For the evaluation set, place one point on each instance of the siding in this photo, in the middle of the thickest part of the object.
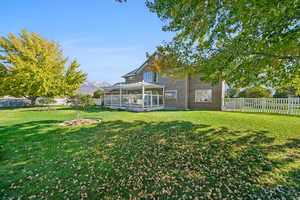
(186, 92)
(217, 95)
(180, 86)
(170, 84)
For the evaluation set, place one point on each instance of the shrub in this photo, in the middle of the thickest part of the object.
(81, 100)
(46, 101)
(98, 94)
(255, 92)
(285, 92)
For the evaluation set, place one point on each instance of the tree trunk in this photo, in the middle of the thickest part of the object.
(32, 100)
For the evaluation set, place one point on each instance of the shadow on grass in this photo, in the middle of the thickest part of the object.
(145, 160)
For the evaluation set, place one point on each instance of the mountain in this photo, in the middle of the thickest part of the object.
(90, 87)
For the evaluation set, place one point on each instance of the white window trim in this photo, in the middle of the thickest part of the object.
(152, 74)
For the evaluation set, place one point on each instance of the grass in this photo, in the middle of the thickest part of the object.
(155, 155)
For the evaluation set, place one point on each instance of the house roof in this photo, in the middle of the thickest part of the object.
(137, 70)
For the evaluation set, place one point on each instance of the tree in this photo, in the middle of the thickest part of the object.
(98, 94)
(244, 43)
(232, 92)
(285, 92)
(31, 66)
(255, 92)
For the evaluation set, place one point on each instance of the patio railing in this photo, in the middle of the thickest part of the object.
(134, 100)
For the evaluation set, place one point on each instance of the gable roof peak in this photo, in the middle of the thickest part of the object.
(137, 70)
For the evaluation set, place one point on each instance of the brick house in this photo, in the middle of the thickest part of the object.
(145, 90)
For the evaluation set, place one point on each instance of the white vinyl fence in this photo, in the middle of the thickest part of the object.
(290, 106)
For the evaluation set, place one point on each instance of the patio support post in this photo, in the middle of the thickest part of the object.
(151, 99)
(120, 96)
(163, 96)
(110, 100)
(104, 99)
(143, 94)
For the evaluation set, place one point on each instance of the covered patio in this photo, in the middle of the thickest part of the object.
(141, 96)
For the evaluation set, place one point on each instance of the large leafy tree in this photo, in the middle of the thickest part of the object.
(31, 66)
(247, 42)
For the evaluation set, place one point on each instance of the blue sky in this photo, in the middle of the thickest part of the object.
(107, 38)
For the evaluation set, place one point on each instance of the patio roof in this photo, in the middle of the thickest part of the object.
(133, 86)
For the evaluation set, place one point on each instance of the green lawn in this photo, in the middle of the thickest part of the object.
(154, 155)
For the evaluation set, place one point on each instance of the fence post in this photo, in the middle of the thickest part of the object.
(289, 106)
(243, 104)
(264, 105)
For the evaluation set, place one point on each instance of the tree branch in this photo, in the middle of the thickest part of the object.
(274, 56)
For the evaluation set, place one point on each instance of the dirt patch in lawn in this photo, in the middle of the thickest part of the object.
(80, 122)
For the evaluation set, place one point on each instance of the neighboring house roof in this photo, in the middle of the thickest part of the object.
(137, 70)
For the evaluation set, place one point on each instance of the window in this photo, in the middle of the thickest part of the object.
(171, 94)
(148, 77)
(151, 77)
(203, 95)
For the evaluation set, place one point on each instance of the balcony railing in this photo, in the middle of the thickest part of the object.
(134, 100)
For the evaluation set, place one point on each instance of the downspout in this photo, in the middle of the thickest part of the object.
(223, 95)
(187, 92)
(163, 95)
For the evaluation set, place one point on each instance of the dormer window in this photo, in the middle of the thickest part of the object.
(151, 77)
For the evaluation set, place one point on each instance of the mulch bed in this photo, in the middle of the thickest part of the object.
(80, 122)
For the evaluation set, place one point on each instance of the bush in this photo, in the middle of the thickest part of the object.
(285, 92)
(255, 92)
(46, 101)
(98, 94)
(232, 93)
(82, 100)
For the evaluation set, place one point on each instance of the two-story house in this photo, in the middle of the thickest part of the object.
(145, 90)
